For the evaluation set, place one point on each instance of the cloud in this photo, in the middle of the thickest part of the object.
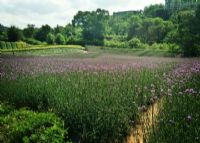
(53, 12)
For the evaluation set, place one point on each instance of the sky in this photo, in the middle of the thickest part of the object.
(61, 12)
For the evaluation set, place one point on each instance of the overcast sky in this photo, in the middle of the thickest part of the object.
(53, 12)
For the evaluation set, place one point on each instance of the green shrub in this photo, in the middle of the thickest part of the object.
(33, 41)
(2, 45)
(31, 127)
(174, 48)
(115, 44)
(60, 39)
(50, 38)
(20, 45)
(136, 43)
(8, 45)
(5, 109)
(14, 46)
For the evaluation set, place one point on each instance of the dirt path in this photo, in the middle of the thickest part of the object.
(147, 123)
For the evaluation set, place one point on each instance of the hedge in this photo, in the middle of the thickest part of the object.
(14, 45)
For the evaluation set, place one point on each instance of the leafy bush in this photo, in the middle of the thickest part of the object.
(136, 43)
(14, 45)
(31, 127)
(174, 48)
(5, 110)
(116, 44)
(8, 45)
(33, 41)
(60, 39)
(2, 45)
(20, 45)
(75, 41)
(50, 38)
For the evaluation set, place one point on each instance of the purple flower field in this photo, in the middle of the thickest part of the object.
(33, 65)
(102, 98)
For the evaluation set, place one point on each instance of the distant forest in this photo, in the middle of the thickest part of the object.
(158, 26)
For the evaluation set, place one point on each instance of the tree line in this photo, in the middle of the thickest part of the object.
(154, 25)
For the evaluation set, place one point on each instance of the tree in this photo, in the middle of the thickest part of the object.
(188, 25)
(14, 34)
(135, 26)
(41, 34)
(50, 38)
(93, 25)
(3, 33)
(157, 10)
(149, 30)
(29, 31)
(60, 39)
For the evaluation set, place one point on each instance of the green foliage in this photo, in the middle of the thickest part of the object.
(2, 45)
(33, 41)
(50, 38)
(3, 33)
(14, 34)
(5, 109)
(157, 10)
(20, 45)
(60, 39)
(174, 49)
(136, 43)
(29, 31)
(188, 33)
(30, 127)
(14, 45)
(93, 25)
(8, 45)
(149, 30)
(42, 33)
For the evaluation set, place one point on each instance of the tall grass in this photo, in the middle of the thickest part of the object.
(96, 106)
(179, 119)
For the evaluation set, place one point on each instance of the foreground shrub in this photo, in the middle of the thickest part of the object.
(5, 109)
(31, 127)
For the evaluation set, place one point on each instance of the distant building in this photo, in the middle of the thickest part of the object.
(180, 4)
(127, 13)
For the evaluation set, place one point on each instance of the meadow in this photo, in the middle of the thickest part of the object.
(97, 97)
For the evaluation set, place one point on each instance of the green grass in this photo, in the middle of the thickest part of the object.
(139, 52)
(77, 51)
(95, 107)
(179, 119)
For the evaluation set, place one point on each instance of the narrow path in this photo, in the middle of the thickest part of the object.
(147, 123)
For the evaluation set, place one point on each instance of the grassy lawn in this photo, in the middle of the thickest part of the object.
(82, 52)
